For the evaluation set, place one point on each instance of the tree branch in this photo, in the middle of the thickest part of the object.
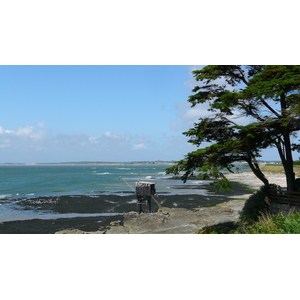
(256, 170)
(243, 77)
(270, 108)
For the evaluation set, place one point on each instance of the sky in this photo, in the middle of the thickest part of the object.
(116, 113)
(94, 113)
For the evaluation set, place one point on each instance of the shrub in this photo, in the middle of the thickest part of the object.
(256, 204)
(276, 224)
(266, 224)
(264, 228)
(292, 223)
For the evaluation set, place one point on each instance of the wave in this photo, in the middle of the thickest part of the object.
(132, 201)
(3, 197)
(161, 173)
(105, 173)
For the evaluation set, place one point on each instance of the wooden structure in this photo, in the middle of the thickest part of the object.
(144, 193)
(285, 197)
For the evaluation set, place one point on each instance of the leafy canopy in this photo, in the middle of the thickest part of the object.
(266, 96)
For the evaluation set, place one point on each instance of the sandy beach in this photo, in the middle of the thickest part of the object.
(250, 179)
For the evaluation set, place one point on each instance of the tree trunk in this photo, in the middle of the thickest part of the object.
(286, 152)
(257, 172)
(288, 165)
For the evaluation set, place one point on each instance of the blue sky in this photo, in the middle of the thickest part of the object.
(97, 113)
(103, 113)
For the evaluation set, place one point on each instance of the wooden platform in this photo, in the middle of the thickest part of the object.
(144, 192)
(285, 197)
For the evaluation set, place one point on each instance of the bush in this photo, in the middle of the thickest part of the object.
(264, 228)
(277, 224)
(292, 223)
(256, 204)
(266, 224)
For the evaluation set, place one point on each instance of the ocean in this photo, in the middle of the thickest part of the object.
(20, 184)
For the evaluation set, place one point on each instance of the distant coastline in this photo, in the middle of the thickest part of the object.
(93, 163)
(108, 163)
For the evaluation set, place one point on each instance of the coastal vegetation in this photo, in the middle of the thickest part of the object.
(256, 219)
(249, 109)
(267, 224)
(279, 169)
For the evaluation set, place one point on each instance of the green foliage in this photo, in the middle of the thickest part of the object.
(276, 224)
(264, 227)
(255, 205)
(266, 224)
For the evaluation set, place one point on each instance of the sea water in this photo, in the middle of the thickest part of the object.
(33, 181)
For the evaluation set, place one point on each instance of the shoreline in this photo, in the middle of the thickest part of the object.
(185, 221)
(184, 213)
(83, 204)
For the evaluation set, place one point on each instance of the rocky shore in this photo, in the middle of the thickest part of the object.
(183, 220)
(173, 220)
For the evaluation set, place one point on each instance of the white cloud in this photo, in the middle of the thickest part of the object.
(2, 130)
(194, 113)
(25, 131)
(41, 124)
(139, 147)
(189, 115)
(36, 144)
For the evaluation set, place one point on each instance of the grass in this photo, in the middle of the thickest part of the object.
(276, 224)
(267, 224)
(278, 169)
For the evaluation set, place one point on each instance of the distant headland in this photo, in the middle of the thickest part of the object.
(100, 163)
